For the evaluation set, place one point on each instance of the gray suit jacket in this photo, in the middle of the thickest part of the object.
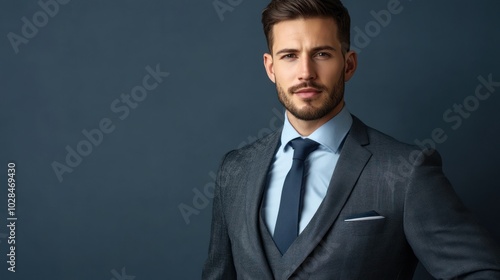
(424, 220)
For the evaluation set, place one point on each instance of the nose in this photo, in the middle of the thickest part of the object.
(307, 70)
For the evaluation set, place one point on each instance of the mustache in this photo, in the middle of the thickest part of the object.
(309, 84)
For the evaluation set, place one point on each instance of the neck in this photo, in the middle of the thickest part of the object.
(306, 128)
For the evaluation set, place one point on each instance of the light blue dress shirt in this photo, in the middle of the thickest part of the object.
(319, 168)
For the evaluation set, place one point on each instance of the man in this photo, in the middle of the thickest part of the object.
(319, 198)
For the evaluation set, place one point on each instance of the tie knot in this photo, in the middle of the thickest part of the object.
(303, 147)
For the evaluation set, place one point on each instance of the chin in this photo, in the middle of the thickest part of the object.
(309, 104)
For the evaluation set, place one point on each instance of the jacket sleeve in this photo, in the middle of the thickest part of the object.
(443, 234)
(219, 264)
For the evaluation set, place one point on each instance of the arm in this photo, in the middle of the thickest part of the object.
(219, 264)
(444, 236)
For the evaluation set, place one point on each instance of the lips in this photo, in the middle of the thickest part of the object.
(307, 92)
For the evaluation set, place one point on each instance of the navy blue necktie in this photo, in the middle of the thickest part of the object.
(287, 224)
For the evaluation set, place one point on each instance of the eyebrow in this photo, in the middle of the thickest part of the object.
(316, 49)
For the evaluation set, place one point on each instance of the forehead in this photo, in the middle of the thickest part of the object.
(305, 32)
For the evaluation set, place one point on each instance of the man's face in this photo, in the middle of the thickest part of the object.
(308, 67)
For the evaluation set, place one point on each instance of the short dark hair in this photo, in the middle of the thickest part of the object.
(281, 10)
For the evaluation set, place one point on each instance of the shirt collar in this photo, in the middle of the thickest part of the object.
(330, 135)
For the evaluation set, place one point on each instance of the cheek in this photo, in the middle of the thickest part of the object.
(280, 78)
(286, 79)
(331, 75)
(285, 70)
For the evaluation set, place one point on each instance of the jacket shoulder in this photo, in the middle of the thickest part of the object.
(387, 148)
(253, 149)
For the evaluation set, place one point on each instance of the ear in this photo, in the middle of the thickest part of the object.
(268, 64)
(351, 63)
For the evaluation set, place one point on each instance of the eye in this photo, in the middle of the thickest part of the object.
(289, 56)
(323, 55)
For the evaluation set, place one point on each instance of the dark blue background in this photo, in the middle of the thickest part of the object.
(119, 208)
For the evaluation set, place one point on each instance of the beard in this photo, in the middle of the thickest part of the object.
(309, 112)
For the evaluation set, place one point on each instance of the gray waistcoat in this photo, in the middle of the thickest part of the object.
(272, 253)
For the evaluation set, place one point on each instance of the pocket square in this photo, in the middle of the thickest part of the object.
(366, 216)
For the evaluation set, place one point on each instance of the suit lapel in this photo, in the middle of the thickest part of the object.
(352, 160)
(263, 153)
